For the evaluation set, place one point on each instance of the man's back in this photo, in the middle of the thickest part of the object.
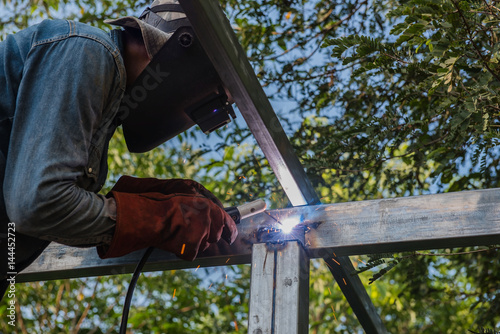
(61, 83)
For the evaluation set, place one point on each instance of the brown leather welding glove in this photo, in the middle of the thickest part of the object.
(179, 216)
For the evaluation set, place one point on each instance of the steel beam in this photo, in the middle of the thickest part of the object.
(260, 316)
(291, 313)
(408, 223)
(279, 289)
(469, 218)
(59, 261)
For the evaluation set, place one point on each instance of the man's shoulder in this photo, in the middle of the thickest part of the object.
(49, 31)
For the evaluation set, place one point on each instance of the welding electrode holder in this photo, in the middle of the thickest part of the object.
(238, 213)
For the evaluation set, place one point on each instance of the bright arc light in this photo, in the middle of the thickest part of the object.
(289, 223)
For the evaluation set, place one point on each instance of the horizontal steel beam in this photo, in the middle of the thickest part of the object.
(408, 223)
(386, 225)
(59, 261)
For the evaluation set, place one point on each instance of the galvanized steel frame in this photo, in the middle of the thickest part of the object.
(468, 218)
(333, 230)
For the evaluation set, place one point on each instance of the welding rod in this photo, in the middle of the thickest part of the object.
(246, 210)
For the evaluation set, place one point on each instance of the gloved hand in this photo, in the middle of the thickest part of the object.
(179, 216)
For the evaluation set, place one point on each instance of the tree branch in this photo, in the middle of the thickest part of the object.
(471, 40)
(321, 32)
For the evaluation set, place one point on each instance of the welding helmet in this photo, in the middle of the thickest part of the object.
(178, 89)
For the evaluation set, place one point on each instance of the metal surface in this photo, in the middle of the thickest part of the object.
(260, 317)
(408, 223)
(387, 225)
(279, 289)
(291, 313)
(59, 261)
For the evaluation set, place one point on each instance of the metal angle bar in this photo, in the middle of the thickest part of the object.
(291, 313)
(458, 219)
(279, 289)
(230, 61)
(59, 261)
(260, 317)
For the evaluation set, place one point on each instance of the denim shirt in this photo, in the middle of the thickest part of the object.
(61, 83)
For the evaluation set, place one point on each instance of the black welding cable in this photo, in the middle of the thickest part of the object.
(131, 287)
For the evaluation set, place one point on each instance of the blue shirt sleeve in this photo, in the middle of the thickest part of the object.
(68, 90)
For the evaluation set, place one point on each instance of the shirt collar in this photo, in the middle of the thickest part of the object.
(117, 37)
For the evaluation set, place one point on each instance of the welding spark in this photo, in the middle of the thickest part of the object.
(333, 312)
(288, 224)
(359, 260)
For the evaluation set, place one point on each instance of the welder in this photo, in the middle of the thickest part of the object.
(64, 88)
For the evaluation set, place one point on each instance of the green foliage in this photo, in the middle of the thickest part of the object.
(376, 260)
(328, 310)
(470, 289)
(422, 104)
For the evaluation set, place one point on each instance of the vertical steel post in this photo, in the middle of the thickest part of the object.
(279, 289)
(260, 317)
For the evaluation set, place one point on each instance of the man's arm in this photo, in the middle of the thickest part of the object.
(67, 88)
